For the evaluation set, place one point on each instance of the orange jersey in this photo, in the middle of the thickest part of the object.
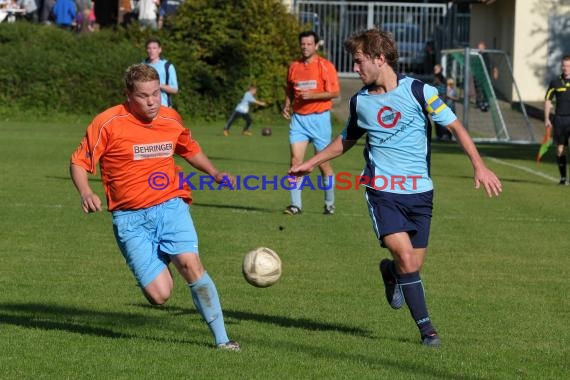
(319, 75)
(129, 152)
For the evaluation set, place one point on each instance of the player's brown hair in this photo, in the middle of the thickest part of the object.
(139, 72)
(373, 43)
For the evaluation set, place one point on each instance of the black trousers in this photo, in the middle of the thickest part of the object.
(237, 114)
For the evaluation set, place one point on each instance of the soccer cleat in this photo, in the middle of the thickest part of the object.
(562, 181)
(394, 294)
(431, 339)
(246, 133)
(329, 210)
(292, 210)
(226, 132)
(229, 346)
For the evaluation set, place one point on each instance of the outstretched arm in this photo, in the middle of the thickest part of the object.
(90, 202)
(201, 162)
(482, 175)
(336, 148)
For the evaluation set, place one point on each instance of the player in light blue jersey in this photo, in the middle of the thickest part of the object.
(165, 69)
(392, 110)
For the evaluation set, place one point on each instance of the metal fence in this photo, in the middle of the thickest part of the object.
(420, 30)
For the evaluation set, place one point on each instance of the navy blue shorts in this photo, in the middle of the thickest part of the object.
(561, 129)
(391, 213)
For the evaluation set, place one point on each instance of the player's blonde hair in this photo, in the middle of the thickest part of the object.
(139, 72)
(373, 43)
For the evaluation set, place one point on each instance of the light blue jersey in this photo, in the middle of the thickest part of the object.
(397, 150)
(243, 105)
(167, 75)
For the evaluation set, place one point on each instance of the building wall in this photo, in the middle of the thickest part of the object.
(521, 29)
(531, 48)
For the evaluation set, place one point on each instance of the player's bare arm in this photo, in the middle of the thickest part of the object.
(287, 106)
(547, 110)
(309, 95)
(169, 89)
(482, 175)
(336, 148)
(90, 202)
(201, 162)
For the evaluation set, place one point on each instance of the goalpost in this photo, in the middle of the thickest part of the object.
(490, 95)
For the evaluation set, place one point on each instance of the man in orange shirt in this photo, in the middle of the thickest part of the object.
(134, 144)
(312, 83)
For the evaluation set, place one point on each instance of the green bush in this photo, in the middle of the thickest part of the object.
(48, 70)
(217, 46)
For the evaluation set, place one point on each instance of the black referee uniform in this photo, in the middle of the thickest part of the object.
(559, 91)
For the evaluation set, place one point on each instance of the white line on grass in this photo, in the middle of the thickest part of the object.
(523, 168)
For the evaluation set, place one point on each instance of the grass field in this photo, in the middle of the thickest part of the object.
(496, 277)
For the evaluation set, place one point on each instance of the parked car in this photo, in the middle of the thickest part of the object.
(411, 46)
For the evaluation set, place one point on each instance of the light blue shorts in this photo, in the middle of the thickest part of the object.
(147, 237)
(315, 128)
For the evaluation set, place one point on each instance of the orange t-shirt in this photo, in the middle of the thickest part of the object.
(129, 152)
(319, 75)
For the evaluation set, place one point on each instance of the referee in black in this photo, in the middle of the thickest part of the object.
(559, 88)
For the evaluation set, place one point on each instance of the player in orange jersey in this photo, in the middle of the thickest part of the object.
(312, 83)
(134, 144)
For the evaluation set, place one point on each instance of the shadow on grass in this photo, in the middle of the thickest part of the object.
(84, 321)
(234, 207)
(418, 369)
(300, 323)
(284, 163)
(68, 179)
(278, 320)
(80, 321)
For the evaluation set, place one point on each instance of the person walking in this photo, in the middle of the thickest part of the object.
(559, 91)
(312, 83)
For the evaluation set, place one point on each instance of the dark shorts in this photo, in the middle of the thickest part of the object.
(391, 213)
(561, 129)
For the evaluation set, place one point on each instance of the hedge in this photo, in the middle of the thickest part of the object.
(218, 48)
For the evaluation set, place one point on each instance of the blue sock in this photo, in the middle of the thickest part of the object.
(207, 302)
(413, 290)
(329, 192)
(296, 198)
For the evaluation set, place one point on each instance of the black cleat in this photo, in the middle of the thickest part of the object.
(431, 339)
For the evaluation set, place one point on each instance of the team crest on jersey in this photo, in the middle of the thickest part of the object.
(387, 117)
(155, 150)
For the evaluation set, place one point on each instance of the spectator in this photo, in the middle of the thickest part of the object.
(451, 95)
(439, 82)
(83, 10)
(31, 9)
(148, 12)
(64, 12)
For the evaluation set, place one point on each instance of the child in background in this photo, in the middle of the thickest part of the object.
(451, 95)
(242, 110)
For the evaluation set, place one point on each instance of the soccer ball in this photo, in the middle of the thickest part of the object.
(261, 267)
(266, 131)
